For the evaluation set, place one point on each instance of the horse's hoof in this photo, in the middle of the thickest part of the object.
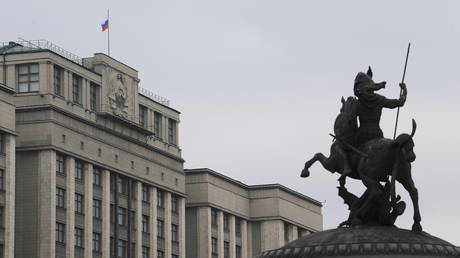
(305, 173)
(417, 227)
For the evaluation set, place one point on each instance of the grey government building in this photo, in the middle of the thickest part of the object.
(91, 166)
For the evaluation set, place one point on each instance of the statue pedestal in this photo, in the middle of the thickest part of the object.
(365, 241)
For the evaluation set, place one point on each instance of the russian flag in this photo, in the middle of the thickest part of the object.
(105, 25)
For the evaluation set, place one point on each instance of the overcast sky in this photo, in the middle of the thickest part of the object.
(259, 82)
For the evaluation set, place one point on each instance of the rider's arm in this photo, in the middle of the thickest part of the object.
(394, 103)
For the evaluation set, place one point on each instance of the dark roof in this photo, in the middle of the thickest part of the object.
(252, 187)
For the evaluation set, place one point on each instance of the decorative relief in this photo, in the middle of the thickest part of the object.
(118, 94)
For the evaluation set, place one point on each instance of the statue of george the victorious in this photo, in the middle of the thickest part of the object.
(361, 152)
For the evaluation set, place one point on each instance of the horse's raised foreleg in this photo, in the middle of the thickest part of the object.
(328, 163)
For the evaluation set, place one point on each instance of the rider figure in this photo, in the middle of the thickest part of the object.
(369, 111)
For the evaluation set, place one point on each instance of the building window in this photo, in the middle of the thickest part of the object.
(2, 143)
(160, 254)
(121, 216)
(2, 179)
(2, 217)
(160, 199)
(58, 72)
(172, 127)
(174, 256)
(96, 242)
(60, 197)
(121, 186)
(145, 193)
(97, 205)
(121, 248)
(142, 115)
(174, 232)
(174, 204)
(237, 226)
(226, 249)
(93, 93)
(214, 246)
(60, 163)
(28, 78)
(79, 203)
(213, 217)
(78, 170)
(145, 224)
(226, 226)
(97, 176)
(76, 88)
(60, 232)
(78, 237)
(286, 232)
(2, 250)
(237, 251)
(160, 228)
(157, 117)
(145, 252)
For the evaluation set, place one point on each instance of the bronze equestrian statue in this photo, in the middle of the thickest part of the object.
(362, 153)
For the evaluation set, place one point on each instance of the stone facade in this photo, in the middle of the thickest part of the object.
(7, 170)
(228, 219)
(98, 163)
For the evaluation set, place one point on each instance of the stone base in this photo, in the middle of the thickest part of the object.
(365, 241)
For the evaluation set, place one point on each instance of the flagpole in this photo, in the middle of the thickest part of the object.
(108, 33)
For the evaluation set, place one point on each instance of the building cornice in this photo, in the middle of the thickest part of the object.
(252, 187)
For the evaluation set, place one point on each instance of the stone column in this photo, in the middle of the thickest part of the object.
(293, 235)
(88, 176)
(272, 234)
(47, 204)
(153, 222)
(10, 188)
(167, 224)
(244, 239)
(204, 232)
(138, 219)
(70, 206)
(232, 236)
(105, 214)
(220, 234)
(182, 242)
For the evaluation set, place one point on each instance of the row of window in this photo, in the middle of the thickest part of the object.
(121, 184)
(157, 125)
(78, 237)
(226, 221)
(29, 79)
(121, 250)
(214, 249)
(97, 245)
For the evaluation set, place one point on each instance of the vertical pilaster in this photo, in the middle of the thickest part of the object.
(138, 219)
(232, 236)
(220, 234)
(244, 239)
(167, 224)
(272, 234)
(153, 222)
(203, 232)
(47, 204)
(105, 214)
(182, 242)
(70, 205)
(10, 185)
(88, 175)
(292, 233)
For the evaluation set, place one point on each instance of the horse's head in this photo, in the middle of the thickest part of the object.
(405, 143)
(365, 85)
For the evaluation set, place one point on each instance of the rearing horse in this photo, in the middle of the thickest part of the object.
(372, 163)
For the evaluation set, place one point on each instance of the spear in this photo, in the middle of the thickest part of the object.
(401, 91)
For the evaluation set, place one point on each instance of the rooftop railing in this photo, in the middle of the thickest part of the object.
(153, 96)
